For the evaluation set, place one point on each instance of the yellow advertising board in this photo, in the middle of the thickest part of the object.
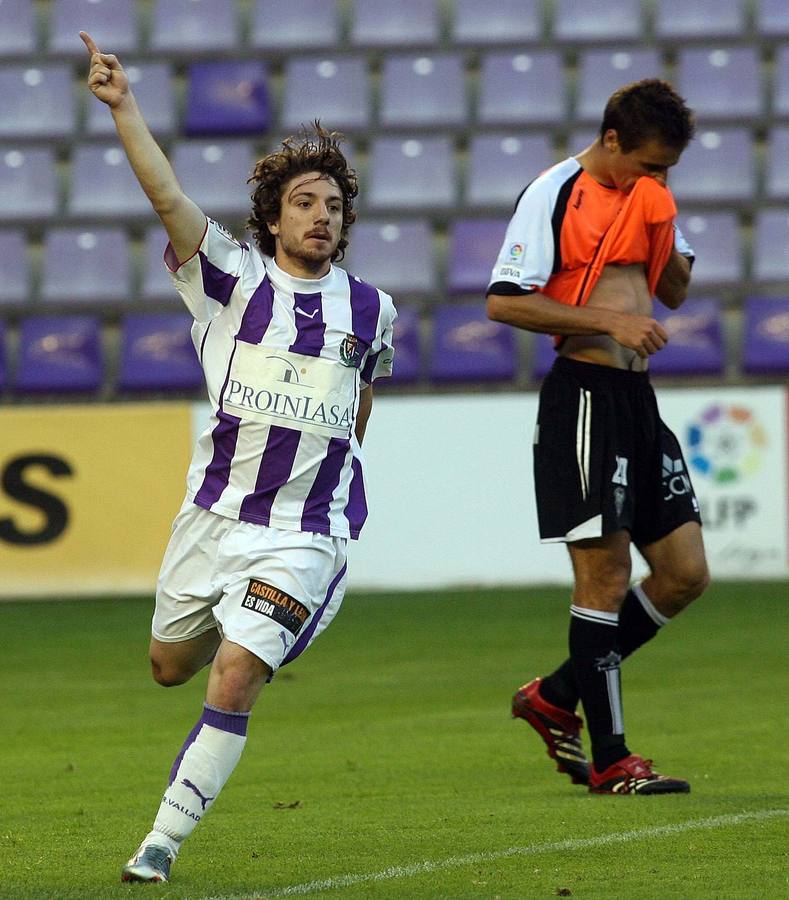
(88, 494)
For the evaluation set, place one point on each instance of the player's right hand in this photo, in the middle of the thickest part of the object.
(640, 333)
(106, 78)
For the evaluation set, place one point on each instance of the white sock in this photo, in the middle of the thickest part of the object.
(209, 755)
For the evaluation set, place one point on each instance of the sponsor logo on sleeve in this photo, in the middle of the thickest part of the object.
(516, 252)
(275, 604)
(511, 272)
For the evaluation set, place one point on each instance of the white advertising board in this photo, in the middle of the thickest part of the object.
(451, 491)
(735, 446)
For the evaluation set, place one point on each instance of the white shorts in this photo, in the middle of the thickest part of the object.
(266, 589)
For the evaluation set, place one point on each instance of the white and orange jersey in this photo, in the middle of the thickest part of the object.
(559, 228)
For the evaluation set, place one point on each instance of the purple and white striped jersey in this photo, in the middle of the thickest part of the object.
(284, 359)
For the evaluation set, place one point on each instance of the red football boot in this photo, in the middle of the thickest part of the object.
(559, 728)
(634, 775)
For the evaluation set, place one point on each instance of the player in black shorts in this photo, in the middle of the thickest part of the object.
(591, 242)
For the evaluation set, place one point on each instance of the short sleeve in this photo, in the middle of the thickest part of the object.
(682, 246)
(527, 254)
(380, 360)
(206, 281)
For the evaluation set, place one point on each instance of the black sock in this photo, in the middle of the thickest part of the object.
(639, 622)
(560, 687)
(595, 655)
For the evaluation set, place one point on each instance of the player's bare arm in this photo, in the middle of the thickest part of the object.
(672, 288)
(535, 312)
(365, 408)
(183, 220)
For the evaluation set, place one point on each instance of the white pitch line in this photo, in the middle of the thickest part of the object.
(470, 859)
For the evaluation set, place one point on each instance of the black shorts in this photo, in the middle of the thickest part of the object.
(604, 460)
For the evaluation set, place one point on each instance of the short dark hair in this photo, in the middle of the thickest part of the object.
(646, 110)
(316, 150)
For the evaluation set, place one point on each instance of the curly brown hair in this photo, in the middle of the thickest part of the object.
(317, 150)
(646, 110)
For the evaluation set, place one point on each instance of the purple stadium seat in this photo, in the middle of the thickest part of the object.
(17, 29)
(543, 355)
(152, 83)
(721, 82)
(467, 346)
(59, 354)
(381, 23)
(408, 349)
(776, 174)
(501, 165)
(718, 167)
(780, 102)
(766, 338)
(715, 239)
(411, 174)
(474, 245)
(296, 25)
(28, 185)
(111, 23)
(214, 175)
(36, 101)
(695, 345)
(601, 72)
(157, 353)
(521, 88)
(706, 19)
(333, 89)
(103, 186)
(86, 265)
(597, 20)
(186, 27)
(502, 22)
(15, 282)
(771, 245)
(772, 18)
(394, 256)
(226, 98)
(423, 90)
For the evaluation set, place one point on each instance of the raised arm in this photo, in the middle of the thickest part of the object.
(182, 218)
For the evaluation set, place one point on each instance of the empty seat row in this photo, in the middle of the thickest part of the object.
(211, 26)
(397, 175)
(416, 90)
(65, 354)
(97, 266)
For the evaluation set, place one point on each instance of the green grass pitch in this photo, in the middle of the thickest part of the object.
(384, 763)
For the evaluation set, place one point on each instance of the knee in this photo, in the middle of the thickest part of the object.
(692, 580)
(168, 675)
(684, 585)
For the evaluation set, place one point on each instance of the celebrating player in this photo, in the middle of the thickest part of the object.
(290, 345)
(591, 241)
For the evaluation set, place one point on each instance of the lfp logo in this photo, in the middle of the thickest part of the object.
(725, 443)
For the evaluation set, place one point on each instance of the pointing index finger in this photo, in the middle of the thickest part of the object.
(88, 41)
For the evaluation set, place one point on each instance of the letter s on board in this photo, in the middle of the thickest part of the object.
(54, 509)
